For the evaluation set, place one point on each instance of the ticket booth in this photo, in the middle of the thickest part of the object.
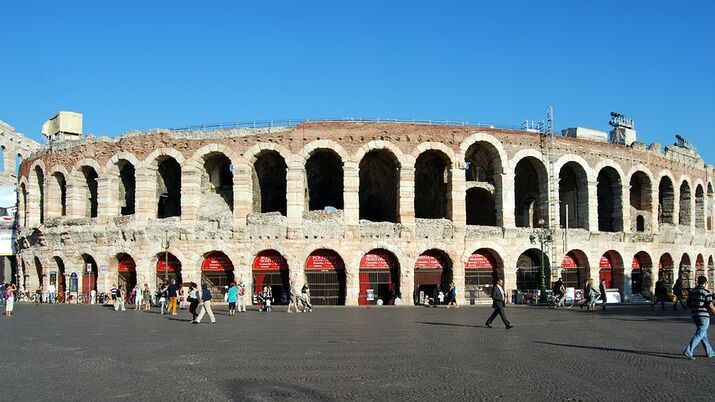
(217, 273)
(325, 273)
(126, 272)
(433, 272)
(170, 271)
(480, 274)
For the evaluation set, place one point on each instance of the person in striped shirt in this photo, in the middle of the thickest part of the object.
(701, 306)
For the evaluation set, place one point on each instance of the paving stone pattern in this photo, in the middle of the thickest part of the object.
(82, 353)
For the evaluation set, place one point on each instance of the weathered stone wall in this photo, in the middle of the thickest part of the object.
(241, 232)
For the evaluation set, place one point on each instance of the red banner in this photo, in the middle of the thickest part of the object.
(605, 262)
(217, 262)
(269, 261)
(429, 260)
(174, 264)
(480, 261)
(126, 264)
(569, 262)
(324, 260)
(377, 259)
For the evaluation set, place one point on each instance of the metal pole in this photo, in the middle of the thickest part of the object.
(542, 284)
(166, 256)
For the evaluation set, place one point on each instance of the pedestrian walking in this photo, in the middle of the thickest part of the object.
(678, 294)
(602, 290)
(172, 292)
(51, 292)
(591, 295)
(162, 297)
(193, 301)
(452, 296)
(146, 297)
(498, 303)
(293, 298)
(660, 292)
(206, 306)
(232, 296)
(242, 295)
(700, 301)
(305, 298)
(137, 297)
(121, 295)
(9, 296)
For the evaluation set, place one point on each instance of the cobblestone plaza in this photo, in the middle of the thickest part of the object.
(81, 352)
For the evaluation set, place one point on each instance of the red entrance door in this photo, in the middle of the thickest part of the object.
(217, 272)
(325, 272)
(174, 269)
(270, 268)
(605, 271)
(430, 270)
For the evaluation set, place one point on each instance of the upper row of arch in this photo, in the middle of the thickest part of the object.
(252, 153)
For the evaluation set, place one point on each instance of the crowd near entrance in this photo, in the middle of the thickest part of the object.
(433, 273)
(325, 273)
(217, 273)
(270, 269)
(379, 277)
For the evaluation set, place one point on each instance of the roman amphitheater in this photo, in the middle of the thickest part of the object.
(363, 210)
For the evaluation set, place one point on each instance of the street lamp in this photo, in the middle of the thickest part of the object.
(543, 236)
(165, 244)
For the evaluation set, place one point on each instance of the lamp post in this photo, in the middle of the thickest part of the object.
(165, 244)
(543, 236)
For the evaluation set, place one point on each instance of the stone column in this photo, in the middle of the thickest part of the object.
(352, 282)
(407, 194)
(506, 201)
(458, 279)
(295, 194)
(107, 205)
(242, 192)
(654, 210)
(676, 206)
(145, 195)
(458, 196)
(626, 207)
(627, 281)
(693, 211)
(593, 205)
(190, 193)
(351, 193)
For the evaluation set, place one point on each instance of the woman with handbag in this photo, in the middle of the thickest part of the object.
(193, 301)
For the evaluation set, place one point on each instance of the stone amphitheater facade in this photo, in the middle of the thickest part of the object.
(361, 208)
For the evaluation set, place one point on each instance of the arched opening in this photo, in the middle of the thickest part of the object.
(127, 187)
(23, 200)
(531, 195)
(217, 184)
(40, 183)
(699, 269)
(711, 273)
(270, 269)
(481, 207)
(685, 271)
(60, 278)
(325, 273)
(611, 270)
(481, 272)
(666, 201)
(89, 274)
(699, 207)
(684, 217)
(168, 187)
(126, 272)
(57, 195)
(610, 218)
(640, 201)
(575, 269)
(433, 186)
(88, 190)
(168, 267)
(665, 269)
(379, 277)
(39, 270)
(573, 195)
(528, 274)
(433, 273)
(269, 183)
(324, 181)
(217, 273)
(642, 274)
(379, 186)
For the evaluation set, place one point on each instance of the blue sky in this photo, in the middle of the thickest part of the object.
(144, 64)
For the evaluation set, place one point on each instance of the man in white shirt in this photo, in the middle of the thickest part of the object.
(498, 297)
(51, 290)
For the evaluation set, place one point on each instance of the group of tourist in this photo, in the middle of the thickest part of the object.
(677, 294)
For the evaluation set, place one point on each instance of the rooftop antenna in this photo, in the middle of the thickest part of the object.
(623, 132)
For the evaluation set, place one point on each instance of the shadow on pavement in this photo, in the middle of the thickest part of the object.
(607, 349)
(271, 391)
(449, 324)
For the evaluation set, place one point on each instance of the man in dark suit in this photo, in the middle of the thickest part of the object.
(498, 297)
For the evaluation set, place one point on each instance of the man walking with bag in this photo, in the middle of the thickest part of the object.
(498, 297)
(701, 306)
(206, 306)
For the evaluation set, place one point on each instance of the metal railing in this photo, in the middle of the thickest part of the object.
(295, 122)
